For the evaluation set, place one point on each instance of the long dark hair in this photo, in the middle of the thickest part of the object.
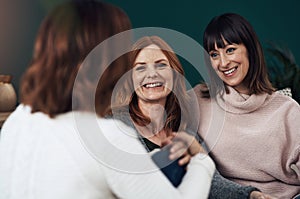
(233, 28)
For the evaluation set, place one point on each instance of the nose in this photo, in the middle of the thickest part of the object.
(224, 61)
(151, 72)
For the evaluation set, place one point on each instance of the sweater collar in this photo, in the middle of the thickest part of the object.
(237, 103)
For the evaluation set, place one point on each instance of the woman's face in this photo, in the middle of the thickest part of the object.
(152, 75)
(231, 63)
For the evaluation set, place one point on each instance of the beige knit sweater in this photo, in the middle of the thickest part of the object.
(254, 140)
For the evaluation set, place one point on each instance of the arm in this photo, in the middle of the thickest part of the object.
(224, 188)
(155, 185)
(142, 179)
(220, 187)
(292, 149)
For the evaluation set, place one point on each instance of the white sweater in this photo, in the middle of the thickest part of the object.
(79, 156)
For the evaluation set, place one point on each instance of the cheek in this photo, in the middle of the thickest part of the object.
(245, 62)
(135, 80)
(169, 79)
(246, 68)
(241, 57)
(214, 64)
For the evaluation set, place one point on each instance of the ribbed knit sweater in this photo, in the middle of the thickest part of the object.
(254, 140)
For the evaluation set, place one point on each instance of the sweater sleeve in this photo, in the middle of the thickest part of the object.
(155, 185)
(224, 188)
(292, 149)
(143, 179)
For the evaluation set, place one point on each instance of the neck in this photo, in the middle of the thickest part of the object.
(153, 131)
(156, 113)
(242, 89)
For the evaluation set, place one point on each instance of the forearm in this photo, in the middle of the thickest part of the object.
(224, 188)
(198, 177)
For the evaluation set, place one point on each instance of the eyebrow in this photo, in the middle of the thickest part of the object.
(157, 61)
(161, 60)
(139, 63)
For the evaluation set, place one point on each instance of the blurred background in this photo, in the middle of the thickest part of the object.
(275, 21)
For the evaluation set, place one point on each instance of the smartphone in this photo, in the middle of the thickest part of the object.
(172, 170)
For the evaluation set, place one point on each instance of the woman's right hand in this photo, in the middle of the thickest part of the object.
(183, 145)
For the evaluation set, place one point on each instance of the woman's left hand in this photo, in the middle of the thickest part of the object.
(260, 195)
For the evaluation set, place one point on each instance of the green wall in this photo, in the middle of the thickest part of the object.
(273, 20)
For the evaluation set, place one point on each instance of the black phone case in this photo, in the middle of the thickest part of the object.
(172, 170)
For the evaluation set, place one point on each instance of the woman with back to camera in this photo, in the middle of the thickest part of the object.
(153, 100)
(41, 153)
(259, 142)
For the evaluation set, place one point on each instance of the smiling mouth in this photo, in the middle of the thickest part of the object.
(153, 85)
(230, 71)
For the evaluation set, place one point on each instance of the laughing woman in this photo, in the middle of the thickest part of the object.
(259, 143)
(154, 101)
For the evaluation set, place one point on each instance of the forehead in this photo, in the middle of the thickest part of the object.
(150, 53)
(222, 38)
(220, 44)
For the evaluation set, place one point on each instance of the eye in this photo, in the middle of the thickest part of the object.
(140, 68)
(230, 50)
(161, 65)
(213, 55)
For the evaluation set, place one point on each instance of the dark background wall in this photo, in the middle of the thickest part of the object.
(273, 20)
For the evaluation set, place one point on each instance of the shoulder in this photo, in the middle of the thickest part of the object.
(283, 105)
(199, 92)
(114, 128)
(283, 100)
(122, 114)
(112, 123)
(200, 89)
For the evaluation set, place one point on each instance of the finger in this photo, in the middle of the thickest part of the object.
(184, 137)
(177, 154)
(177, 146)
(260, 195)
(185, 160)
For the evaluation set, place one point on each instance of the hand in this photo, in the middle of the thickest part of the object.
(180, 150)
(260, 195)
(183, 145)
(192, 146)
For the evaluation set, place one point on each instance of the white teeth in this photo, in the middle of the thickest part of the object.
(230, 71)
(152, 85)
